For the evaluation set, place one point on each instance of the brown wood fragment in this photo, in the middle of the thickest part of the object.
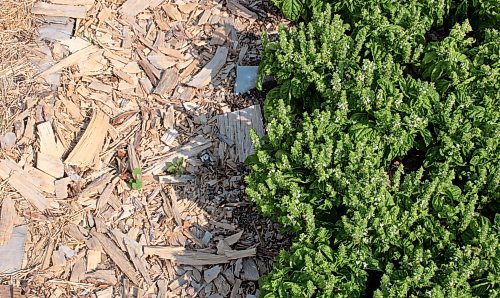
(117, 256)
(56, 10)
(233, 238)
(78, 271)
(209, 71)
(87, 150)
(7, 291)
(167, 82)
(7, 218)
(150, 71)
(236, 287)
(98, 86)
(68, 61)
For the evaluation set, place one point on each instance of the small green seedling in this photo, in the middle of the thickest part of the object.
(176, 167)
(136, 181)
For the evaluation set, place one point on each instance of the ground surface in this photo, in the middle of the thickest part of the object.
(85, 99)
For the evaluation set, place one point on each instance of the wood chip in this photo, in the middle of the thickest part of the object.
(87, 150)
(57, 10)
(167, 83)
(117, 256)
(100, 87)
(47, 139)
(50, 165)
(236, 127)
(172, 12)
(180, 255)
(193, 148)
(133, 7)
(68, 61)
(20, 181)
(73, 2)
(208, 73)
(7, 217)
(172, 179)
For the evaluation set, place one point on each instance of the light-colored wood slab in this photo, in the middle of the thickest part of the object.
(57, 10)
(173, 179)
(50, 165)
(209, 71)
(68, 61)
(21, 181)
(47, 139)
(7, 218)
(87, 150)
(132, 7)
(235, 127)
(12, 252)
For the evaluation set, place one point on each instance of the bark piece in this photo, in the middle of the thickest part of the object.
(210, 274)
(86, 151)
(209, 71)
(56, 10)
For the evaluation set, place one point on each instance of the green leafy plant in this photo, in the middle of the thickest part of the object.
(384, 169)
(176, 167)
(136, 181)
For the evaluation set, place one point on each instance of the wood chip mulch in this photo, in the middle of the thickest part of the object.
(121, 169)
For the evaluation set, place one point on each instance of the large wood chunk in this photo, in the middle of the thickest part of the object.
(194, 147)
(86, 151)
(180, 255)
(50, 165)
(234, 128)
(117, 256)
(132, 7)
(7, 217)
(209, 71)
(68, 61)
(57, 10)
(22, 181)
